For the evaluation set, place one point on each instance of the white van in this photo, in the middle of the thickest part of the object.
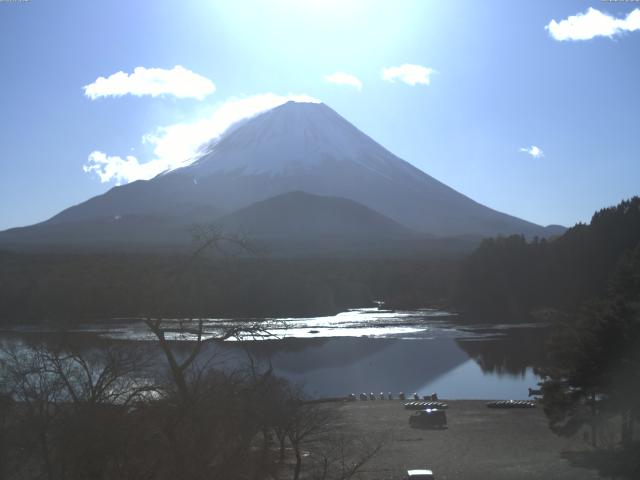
(420, 475)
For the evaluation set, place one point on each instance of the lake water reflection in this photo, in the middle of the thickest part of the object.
(363, 350)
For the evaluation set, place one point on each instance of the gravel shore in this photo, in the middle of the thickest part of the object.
(479, 443)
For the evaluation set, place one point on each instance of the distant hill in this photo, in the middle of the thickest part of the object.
(299, 223)
(301, 215)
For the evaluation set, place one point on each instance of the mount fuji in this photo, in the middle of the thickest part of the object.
(344, 184)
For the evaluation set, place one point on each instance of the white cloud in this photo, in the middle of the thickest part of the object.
(593, 23)
(535, 152)
(341, 78)
(409, 74)
(179, 144)
(120, 169)
(178, 81)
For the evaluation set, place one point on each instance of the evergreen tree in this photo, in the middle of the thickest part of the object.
(594, 377)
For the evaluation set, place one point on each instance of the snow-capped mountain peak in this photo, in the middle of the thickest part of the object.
(290, 137)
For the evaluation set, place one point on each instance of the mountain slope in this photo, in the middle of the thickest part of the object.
(297, 147)
(129, 232)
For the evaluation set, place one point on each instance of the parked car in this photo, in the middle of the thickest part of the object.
(429, 418)
(420, 475)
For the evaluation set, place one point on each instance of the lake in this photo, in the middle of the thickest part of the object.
(361, 350)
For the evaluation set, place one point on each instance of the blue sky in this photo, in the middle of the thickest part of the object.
(500, 79)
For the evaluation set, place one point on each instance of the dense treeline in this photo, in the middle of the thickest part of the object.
(511, 277)
(592, 382)
(507, 276)
(40, 287)
(590, 277)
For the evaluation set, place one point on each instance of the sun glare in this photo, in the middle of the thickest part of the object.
(332, 8)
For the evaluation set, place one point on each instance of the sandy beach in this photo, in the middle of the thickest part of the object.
(479, 443)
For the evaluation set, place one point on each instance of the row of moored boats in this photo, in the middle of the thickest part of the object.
(511, 404)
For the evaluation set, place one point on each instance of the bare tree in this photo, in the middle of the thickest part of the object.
(304, 423)
(333, 454)
(341, 456)
(38, 394)
(117, 375)
(6, 409)
(72, 408)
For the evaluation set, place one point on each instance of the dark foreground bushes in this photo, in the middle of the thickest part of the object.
(113, 413)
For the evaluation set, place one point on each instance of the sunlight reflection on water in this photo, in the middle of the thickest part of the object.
(362, 322)
(364, 350)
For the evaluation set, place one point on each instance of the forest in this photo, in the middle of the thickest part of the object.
(66, 288)
(586, 284)
(511, 278)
